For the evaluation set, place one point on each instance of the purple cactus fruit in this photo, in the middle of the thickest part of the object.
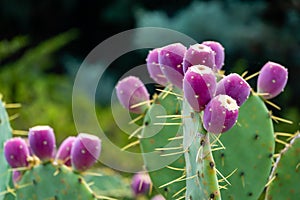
(220, 114)
(219, 53)
(16, 176)
(42, 142)
(16, 152)
(272, 80)
(158, 197)
(63, 155)
(199, 86)
(199, 54)
(133, 94)
(154, 68)
(85, 151)
(170, 59)
(234, 86)
(140, 183)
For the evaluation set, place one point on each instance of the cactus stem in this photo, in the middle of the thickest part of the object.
(130, 145)
(181, 190)
(137, 119)
(20, 132)
(141, 104)
(175, 168)
(13, 105)
(272, 104)
(136, 131)
(181, 178)
(168, 148)
(175, 153)
(14, 116)
(251, 76)
(176, 138)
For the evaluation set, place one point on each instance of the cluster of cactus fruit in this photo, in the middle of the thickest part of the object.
(33, 168)
(208, 135)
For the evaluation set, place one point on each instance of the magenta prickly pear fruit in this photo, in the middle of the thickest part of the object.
(85, 151)
(153, 67)
(219, 53)
(199, 86)
(158, 197)
(199, 54)
(63, 155)
(272, 80)
(170, 59)
(16, 176)
(16, 152)
(234, 86)
(133, 94)
(42, 142)
(220, 114)
(140, 183)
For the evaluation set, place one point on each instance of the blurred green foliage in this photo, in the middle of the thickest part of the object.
(45, 97)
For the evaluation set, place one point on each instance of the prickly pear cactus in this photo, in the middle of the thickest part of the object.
(285, 177)
(161, 141)
(5, 134)
(249, 148)
(225, 135)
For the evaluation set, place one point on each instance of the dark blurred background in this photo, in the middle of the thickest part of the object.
(42, 44)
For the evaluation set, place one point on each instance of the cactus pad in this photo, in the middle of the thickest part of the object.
(249, 150)
(5, 134)
(52, 182)
(286, 173)
(157, 147)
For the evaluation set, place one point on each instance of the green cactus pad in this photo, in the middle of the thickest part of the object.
(286, 173)
(249, 150)
(156, 135)
(202, 183)
(52, 182)
(109, 184)
(5, 134)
